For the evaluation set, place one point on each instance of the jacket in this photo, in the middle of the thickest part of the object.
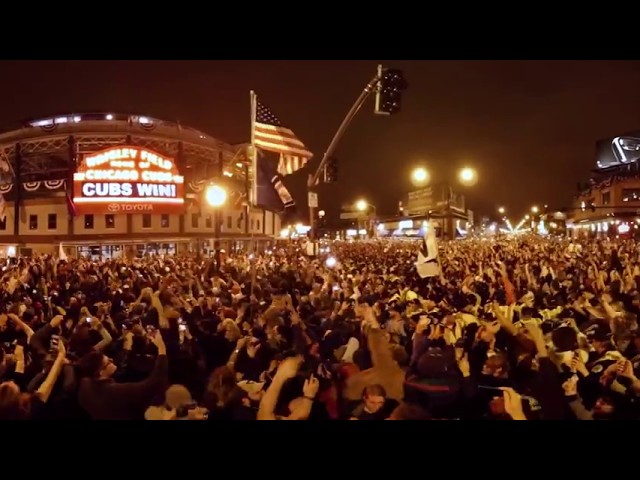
(385, 370)
(104, 399)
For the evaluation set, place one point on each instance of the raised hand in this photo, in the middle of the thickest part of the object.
(513, 403)
(289, 367)
(311, 387)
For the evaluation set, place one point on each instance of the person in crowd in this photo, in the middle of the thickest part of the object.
(375, 405)
(178, 405)
(514, 328)
(104, 399)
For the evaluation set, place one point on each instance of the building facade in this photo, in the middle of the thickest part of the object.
(65, 181)
(45, 223)
(610, 205)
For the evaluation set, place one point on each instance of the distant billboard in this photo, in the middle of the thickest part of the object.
(419, 201)
(436, 197)
(619, 150)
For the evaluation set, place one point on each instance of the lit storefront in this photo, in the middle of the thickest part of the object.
(416, 227)
(606, 228)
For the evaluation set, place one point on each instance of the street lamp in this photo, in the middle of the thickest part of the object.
(501, 210)
(467, 176)
(535, 209)
(364, 206)
(216, 197)
(420, 176)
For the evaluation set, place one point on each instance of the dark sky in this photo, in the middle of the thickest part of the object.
(529, 127)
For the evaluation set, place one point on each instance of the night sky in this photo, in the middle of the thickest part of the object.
(528, 127)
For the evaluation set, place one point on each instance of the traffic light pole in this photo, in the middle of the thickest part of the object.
(313, 180)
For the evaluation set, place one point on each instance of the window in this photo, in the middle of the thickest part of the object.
(88, 222)
(164, 221)
(109, 221)
(252, 224)
(52, 221)
(3, 223)
(157, 249)
(194, 220)
(229, 221)
(630, 195)
(33, 222)
(257, 224)
(146, 220)
(606, 198)
(207, 221)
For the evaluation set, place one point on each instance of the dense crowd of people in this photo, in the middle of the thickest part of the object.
(520, 328)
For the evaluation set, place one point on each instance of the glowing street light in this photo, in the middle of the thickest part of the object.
(501, 210)
(535, 209)
(215, 195)
(362, 205)
(420, 176)
(467, 176)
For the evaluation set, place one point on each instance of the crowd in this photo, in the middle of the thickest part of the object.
(519, 328)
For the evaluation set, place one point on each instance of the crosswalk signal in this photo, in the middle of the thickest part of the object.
(331, 170)
(389, 90)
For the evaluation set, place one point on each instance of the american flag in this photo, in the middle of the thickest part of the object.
(272, 136)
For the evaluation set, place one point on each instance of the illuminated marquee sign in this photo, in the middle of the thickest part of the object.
(128, 180)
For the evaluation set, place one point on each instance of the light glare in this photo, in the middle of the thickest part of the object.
(215, 195)
(468, 176)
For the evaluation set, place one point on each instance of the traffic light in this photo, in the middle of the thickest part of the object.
(331, 170)
(389, 90)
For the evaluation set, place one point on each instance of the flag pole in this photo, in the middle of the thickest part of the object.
(253, 153)
(252, 197)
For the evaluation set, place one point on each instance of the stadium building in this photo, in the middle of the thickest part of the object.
(110, 184)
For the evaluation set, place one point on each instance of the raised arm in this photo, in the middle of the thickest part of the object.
(286, 370)
(45, 389)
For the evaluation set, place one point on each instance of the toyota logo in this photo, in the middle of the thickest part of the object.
(113, 207)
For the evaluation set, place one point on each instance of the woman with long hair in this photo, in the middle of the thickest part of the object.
(222, 395)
